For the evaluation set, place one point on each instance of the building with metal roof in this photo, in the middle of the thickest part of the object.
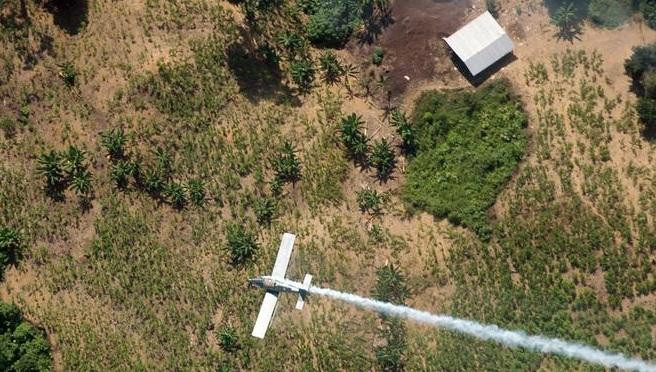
(480, 43)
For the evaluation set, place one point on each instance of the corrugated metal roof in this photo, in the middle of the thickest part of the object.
(480, 43)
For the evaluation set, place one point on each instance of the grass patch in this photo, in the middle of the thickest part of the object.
(470, 144)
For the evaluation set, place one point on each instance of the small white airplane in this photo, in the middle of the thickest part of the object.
(276, 283)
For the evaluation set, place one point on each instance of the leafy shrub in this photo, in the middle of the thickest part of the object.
(114, 142)
(119, 173)
(50, 167)
(241, 244)
(648, 9)
(370, 200)
(642, 60)
(23, 347)
(377, 57)
(68, 74)
(641, 67)
(302, 72)
(470, 144)
(353, 138)
(291, 42)
(176, 195)
(10, 246)
(383, 159)
(646, 108)
(331, 68)
(405, 130)
(8, 126)
(609, 13)
(390, 285)
(265, 209)
(286, 164)
(228, 339)
(196, 190)
(333, 21)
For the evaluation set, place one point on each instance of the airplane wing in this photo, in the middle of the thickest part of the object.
(265, 314)
(284, 254)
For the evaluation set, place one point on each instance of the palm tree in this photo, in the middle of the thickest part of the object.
(114, 142)
(383, 159)
(49, 166)
(566, 20)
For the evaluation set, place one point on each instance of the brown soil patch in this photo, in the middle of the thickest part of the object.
(413, 43)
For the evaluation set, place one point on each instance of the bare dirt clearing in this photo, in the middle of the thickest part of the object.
(412, 43)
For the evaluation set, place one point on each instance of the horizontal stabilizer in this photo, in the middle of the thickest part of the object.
(301, 296)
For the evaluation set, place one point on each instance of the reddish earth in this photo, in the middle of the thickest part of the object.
(412, 41)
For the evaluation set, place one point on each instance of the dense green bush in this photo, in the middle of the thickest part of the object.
(641, 67)
(609, 13)
(646, 108)
(23, 347)
(648, 10)
(332, 22)
(470, 144)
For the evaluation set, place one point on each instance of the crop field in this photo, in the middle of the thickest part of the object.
(153, 152)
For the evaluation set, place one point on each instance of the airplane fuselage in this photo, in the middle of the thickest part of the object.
(273, 284)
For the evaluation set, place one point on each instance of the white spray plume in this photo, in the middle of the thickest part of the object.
(492, 332)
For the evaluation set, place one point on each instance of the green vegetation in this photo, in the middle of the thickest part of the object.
(332, 21)
(241, 243)
(353, 138)
(302, 72)
(405, 130)
(493, 7)
(383, 159)
(470, 144)
(286, 165)
(609, 13)
(377, 56)
(331, 68)
(567, 21)
(641, 68)
(23, 347)
(370, 201)
(10, 248)
(68, 74)
(391, 287)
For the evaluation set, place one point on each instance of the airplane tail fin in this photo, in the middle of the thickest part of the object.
(303, 294)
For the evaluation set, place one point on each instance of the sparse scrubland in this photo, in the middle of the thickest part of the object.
(152, 154)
